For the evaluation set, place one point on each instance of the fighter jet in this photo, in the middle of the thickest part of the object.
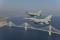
(46, 20)
(34, 14)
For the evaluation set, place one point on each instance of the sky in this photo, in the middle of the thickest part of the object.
(18, 7)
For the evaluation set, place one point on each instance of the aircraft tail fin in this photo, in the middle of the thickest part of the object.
(49, 18)
(39, 13)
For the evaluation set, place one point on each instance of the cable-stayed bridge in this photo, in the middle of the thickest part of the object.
(50, 29)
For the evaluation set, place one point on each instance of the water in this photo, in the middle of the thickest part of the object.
(16, 33)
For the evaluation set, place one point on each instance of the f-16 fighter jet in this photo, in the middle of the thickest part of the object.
(34, 14)
(46, 20)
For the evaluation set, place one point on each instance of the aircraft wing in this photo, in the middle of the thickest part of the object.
(30, 14)
(29, 18)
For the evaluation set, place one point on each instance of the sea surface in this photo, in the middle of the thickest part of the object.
(17, 33)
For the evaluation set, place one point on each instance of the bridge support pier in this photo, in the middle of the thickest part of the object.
(26, 26)
(50, 30)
